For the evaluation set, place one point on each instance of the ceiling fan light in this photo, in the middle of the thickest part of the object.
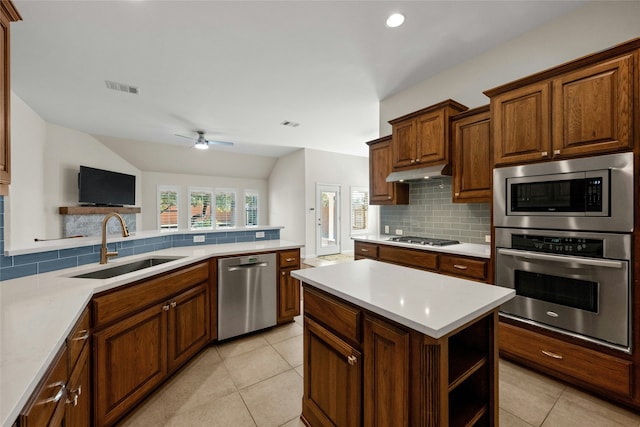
(201, 145)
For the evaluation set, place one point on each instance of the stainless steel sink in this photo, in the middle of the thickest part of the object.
(118, 270)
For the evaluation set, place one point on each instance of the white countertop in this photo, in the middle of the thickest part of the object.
(430, 303)
(466, 249)
(38, 312)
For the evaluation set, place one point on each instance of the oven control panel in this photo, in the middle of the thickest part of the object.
(593, 248)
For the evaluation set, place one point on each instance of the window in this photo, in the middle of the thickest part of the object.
(250, 208)
(168, 207)
(200, 208)
(359, 210)
(225, 208)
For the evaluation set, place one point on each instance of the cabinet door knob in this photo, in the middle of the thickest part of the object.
(551, 354)
(412, 161)
(173, 304)
(417, 160)
(352, 360)
(388, 197)
(284, 273)
(544, 154)
(556, 151)
(165, 307)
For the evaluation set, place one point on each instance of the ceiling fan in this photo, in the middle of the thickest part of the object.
(203, 143)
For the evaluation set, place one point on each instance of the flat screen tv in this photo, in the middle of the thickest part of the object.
(100, 187)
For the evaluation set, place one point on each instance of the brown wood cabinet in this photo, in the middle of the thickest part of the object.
(471, 161)
(592, 369)
(465, 267)
(288, 287)
(407, 379)
(64, 395)
(421, 138)
(8, 14)
(580, 108)
(382, 192)
(145, 331)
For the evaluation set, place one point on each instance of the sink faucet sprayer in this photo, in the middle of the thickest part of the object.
(104, 254)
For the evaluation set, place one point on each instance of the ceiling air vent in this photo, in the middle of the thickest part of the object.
(122, 87)
(290, 124)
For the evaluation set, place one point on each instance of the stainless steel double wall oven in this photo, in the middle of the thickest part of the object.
(563, 242)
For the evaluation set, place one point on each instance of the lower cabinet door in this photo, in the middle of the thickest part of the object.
(78, 411)
(386, 374)
(288, 296)
(188, 325)
(332, 379)
(130, 360)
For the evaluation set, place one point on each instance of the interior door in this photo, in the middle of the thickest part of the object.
(327, 219)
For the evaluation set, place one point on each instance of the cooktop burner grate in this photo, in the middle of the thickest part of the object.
(428, 241)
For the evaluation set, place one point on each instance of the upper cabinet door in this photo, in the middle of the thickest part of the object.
(404, 144)
(521, 124)
(382, 192)
(592, 109)
(431, 145)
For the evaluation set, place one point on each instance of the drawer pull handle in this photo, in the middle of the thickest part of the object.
(352, 360)
(551, 354)
(460, 266)
(364, 250)
(290, 259)
(61, 392)
(83, 337)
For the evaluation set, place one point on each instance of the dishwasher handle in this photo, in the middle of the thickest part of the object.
(247, 266)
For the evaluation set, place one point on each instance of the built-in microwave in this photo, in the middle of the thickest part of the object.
(593, 193)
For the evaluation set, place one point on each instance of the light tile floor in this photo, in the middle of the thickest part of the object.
(257, 381)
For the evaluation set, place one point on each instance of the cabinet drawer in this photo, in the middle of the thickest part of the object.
(289, 258)
(122, 302)
(597, 369)
(366, 250)
(78, 338)
(46, 406)
(342, 319)
(412, 258)
(464, 267)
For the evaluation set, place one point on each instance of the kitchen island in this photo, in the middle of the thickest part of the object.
(390, 345)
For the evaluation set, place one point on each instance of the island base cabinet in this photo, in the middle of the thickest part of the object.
(78, 404)
(130, 360)
(332, 379)
(386, 374)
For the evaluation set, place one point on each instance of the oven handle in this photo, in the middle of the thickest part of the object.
(564, 259)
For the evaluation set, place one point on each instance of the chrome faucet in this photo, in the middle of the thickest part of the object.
(104, 253)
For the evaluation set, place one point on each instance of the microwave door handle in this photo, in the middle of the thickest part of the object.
(563, 259)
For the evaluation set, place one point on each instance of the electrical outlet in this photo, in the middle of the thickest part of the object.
(386, 229)
(259, 234)
(198, 239)
(399, 232)
(487, 238)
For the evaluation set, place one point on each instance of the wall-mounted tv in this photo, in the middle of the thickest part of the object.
(100, 187)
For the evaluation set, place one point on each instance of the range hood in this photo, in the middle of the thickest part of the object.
(421, 173)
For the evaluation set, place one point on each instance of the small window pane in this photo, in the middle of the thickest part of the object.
(251, 208)
(225, 208)
(359, 210)
(168, 209)
(200, 209)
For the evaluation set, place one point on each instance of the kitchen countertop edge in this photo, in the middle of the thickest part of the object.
(476, 250)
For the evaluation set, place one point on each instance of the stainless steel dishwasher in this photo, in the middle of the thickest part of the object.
(246, 294)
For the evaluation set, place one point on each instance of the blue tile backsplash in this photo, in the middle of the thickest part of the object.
(12, 267)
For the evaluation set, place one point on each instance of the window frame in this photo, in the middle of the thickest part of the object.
(234, 210)
(211, 193)
(364, 230)
(256, 193)
(162, 189)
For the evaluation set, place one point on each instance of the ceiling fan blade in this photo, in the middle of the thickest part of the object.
(182, 136)
(222, 143)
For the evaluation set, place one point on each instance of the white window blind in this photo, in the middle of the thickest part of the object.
(359, 210)
(250, 208)
(225, 208)
(200, 209)
(168, 207)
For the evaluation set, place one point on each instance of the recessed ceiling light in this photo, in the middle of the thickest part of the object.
(395, 20)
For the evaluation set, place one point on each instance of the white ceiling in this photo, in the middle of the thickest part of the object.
(237, 69)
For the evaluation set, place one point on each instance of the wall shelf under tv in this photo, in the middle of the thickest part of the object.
(96, 210)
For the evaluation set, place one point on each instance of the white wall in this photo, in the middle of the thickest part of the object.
(287, 197)
(323, 167)
(151, 181)
(45, 160)
(596, 26)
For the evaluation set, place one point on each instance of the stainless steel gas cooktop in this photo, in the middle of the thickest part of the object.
(427, 241)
